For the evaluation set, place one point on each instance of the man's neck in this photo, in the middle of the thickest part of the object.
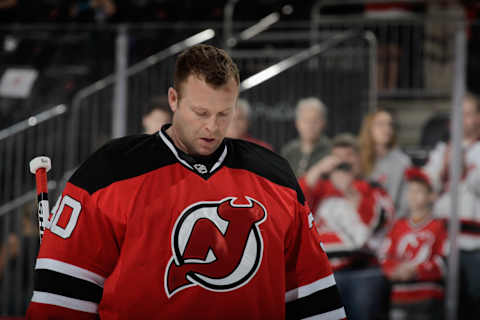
(307, 146)
(419, 215)
(171, 132)
(471, 138)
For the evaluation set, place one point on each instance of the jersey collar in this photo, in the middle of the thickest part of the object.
(420, 224)
(203, 166)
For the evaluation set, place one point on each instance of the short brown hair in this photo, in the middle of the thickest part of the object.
(207, 62)
(345, 140)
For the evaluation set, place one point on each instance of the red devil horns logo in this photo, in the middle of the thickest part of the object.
(216, 245)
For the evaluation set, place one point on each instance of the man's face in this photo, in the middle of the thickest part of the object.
(202, 114)
(239, 127)
(309, 123)
(341, 179)
(348, 155)
(418, 196)
(471, 118)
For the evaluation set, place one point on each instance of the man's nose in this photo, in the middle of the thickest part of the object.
(211, 124)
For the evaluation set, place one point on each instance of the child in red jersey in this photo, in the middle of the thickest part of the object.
(414, 252)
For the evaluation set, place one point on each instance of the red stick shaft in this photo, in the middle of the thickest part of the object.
(41, 179)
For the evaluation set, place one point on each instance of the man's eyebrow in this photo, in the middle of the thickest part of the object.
(198, 107)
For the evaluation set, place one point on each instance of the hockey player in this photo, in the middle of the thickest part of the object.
(414, 252)
(184, 223)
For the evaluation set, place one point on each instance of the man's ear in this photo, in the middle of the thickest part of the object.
(173, 99)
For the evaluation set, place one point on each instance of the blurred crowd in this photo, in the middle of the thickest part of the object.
(383, 220)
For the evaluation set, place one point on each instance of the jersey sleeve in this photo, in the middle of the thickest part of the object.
(310, 285)
(313, 195)
(78, 252)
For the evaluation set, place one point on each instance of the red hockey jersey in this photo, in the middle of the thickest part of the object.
(144, 231)
(422, 245)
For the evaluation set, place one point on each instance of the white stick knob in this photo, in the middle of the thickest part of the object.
(40, 162)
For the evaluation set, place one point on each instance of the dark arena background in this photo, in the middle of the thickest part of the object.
(75, 74)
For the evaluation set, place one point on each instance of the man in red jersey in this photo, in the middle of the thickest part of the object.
(185, 223)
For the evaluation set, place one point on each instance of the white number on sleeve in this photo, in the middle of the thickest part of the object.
(57, 212)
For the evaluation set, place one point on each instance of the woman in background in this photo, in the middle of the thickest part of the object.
(381, 160)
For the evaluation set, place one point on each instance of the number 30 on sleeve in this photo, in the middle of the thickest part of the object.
(57, 211)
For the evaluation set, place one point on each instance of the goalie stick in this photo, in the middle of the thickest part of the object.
(39, 166)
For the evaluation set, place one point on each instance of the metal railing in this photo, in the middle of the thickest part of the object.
(231, 40)
(40, 134)
(342, 63)
(410, 53)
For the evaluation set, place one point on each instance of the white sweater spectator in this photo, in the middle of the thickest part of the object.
(469, 210)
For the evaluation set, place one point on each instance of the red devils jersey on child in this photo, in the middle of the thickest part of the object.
(423, 246)
(144, 231)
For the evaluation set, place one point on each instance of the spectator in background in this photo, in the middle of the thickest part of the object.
(158, 113)
(437, 169)
(434, 130)
(311, 145)
(92, 10)
(239, 127)
(8, 250)
(414, 255)
(381, 160)
(439, 159)
(18, 250)
(352, 217)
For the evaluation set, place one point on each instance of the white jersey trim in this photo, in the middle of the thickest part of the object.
(331, 315)
(468, 241)
(185, 163)
(70, 270)
(220, 160)
(174, 151)
(62, 301)
(308, 289)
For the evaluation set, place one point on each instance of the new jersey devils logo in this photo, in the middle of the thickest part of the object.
(416, 247)
(216, 245)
